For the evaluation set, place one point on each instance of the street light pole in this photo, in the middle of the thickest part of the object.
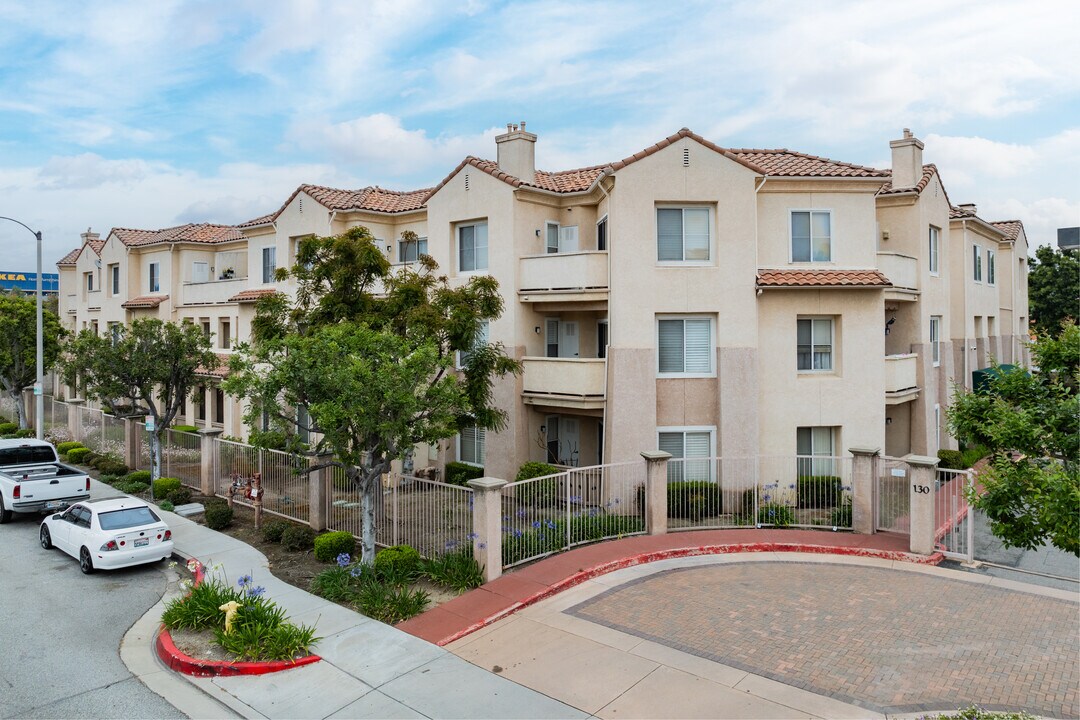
(39, 384)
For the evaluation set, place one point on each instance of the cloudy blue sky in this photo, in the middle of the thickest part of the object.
(152, 113)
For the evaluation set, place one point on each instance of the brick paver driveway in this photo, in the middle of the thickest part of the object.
(887, 640)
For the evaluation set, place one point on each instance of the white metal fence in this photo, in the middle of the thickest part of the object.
(892, 500)
(284, 482)
(181, 457)
(953, 520)
(548, 514)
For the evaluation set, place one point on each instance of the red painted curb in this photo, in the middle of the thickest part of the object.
(640, 559)
(178, 661)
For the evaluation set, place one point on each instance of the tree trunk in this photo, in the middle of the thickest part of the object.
(367, 522)
(155, 457)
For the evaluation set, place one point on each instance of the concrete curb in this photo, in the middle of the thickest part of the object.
(642, 558)
(180, 662)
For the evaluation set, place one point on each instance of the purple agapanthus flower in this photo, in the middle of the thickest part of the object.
(344, 559)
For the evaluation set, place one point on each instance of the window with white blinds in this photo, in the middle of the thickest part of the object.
(815, 340)
(935, 339)
(694, 448)
(811, 236)
(682, 234)
(471, 445)
(685, 346)
(472, 247)
(816, 448)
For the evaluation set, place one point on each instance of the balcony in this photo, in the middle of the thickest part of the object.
(93, 300)
(902, 271)
(901, 378)
(212, 291)
(565, 277)
(572, 383)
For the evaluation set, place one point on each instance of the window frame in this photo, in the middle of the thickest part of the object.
(683, 430)
(813, 457)
(832, 345)
(153, 272)
(710, 216)
(479, 441)
(991, 267)
(403, 247)
(269, 278)
(114, 279)
(934, 250)
(458, 227)
(791, 235)
(712, 345)
(603, 221)
(976, 264)
(462, 356)
(89, 281)
(935, 339)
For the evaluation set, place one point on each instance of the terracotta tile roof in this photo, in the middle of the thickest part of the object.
(788, 163)
(70, 258)
(684, 133)
(567, 180)
(252, 295)
(145, 301)
(956, 213)
(222, 369)
(192, 232)
(928, 171)
(821, 278)
(96, 245)
(261, 220)
(1011, 228)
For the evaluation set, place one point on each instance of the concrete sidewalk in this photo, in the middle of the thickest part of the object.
(368, 670)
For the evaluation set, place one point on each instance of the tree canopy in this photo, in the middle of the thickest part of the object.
(18, 346)
(1053, 288)
(1031, 423)
(371, 352)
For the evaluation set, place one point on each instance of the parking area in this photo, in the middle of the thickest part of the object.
(786, 635)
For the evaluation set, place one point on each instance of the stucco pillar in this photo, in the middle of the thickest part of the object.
(863, 486)
(487, 524)
(319, 494)
(656, 509)
(209, 448)
(74, 426)
(132, 440)
(923, 493)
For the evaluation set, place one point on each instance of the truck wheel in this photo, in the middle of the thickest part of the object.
(5, 514)
(86, 564)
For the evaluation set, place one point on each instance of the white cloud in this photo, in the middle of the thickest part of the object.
(974, 159)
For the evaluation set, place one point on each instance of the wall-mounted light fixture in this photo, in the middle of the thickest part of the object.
(537, 232)
(536, 329)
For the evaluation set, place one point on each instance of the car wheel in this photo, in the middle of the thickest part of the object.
(46, 538)
(86, 564)
(5, 514)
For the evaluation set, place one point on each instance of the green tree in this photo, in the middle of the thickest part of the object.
(150, 368)
(18, 346)
(1053, 288)
(1031, 423)
(370, 353)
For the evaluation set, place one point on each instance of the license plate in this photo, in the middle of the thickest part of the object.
(142, 542)
(55, 505)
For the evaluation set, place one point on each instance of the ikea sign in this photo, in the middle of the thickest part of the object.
(27, 281)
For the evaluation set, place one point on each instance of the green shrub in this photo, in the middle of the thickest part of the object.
(534, 470)
(819, 491)
(185, 428)
(25, 433)
(951, 460)
(64, 447)
(112, 466)
(539, 493)
(336, 584)
(166, 506)
(457, 570)
(90, 458)
(77, 455)
(298, 538)
(218, 516)
(142, 476)
(460, 473)
(390, 603)
(775, 514)
(110, 479)
(164, 486)
(8, 428)
(973, 455)
(329, 546)
(399, 563)
(132, 488)
(551, 536)
(841, 515)
(179, 496)
(273, 530)
(694, 499)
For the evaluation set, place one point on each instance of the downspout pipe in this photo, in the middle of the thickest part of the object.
(607, 353)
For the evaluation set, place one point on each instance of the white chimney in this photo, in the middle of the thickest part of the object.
(517, 152)
(88, 236)
(969, 208)
(906, 161)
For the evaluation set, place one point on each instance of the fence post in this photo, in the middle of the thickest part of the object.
(487, 524)
(209, 447)
(923, 492)
(863, 489)
(132, 444)
(74, 426)
(318, 494)
(656, 509)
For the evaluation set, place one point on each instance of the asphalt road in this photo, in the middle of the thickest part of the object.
(60, 633)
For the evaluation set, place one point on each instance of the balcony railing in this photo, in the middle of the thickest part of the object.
(212, 291)
(585, 271)
(901, 373)
(575, 381)
(902, 270)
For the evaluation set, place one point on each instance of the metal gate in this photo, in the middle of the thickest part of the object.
(954, 522)
(892, 499)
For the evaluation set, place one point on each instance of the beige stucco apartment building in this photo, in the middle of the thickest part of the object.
(701, 300)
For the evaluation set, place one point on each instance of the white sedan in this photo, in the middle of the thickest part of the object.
(108, 533)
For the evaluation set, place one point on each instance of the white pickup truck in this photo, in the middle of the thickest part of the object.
(32, 479)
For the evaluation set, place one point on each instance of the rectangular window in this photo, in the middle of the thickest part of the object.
(471, 445)
(200, 272)
(206, 329)
(935, 238)
(815, 447)
(409, 252)
(472, 247)
(694, 447)
(991, 271)
(269, 264)
(815, 340)
(481, 340)
(155, 277)
(935, 339)
(219, 406)
(226, 334)
(976, 263)
(114, 332)
(200, 402)
(601, 234)
(682, 234)
(811, 236)
(89, 282)
(685, 346)
(559, 238)
(114, 278)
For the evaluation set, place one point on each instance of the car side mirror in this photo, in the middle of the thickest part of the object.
(56, 516)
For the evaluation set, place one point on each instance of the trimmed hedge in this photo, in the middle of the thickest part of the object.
(166, 506)
(65, 447)
(8, 428)
(131, 488)
(694, 499)
(218, 516)
(551, 537)
(273, 530)
(397, 562)
(329, 545)
(951, 460)
(78, 455)
(179, 496)
(540, 493)
(142, 476)
(298, 538)
(460, 473)
(185, 428)
(819, 491)
(164, 486)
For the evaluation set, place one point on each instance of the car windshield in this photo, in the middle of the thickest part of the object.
(127, 518)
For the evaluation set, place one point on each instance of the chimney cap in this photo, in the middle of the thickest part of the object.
(969, 208)
(907, 134)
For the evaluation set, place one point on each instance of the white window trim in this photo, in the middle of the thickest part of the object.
(991, 267)
(712, 345)
(711, 429)
(263, 266)
(935, 343)
(791, 238)
(832, 345)
(457, 449)
(487, 341)
(937, 254)
(711, 262)
(976, 264)
(457, 248)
